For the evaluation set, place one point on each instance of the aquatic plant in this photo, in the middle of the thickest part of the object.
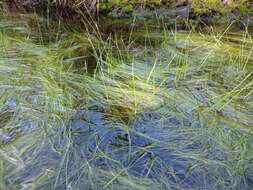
(85, 111)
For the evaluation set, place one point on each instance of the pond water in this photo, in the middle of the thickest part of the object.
(151, 109)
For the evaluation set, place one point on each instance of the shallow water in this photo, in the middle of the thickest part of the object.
(81, 112)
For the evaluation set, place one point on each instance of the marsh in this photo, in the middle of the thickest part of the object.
(148, 108)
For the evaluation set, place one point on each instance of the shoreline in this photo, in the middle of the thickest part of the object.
(181, 13)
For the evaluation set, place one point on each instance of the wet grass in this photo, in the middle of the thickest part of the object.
(78, 111)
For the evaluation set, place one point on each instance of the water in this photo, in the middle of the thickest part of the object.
(161, 110)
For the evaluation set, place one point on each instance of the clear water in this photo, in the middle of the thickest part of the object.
(81, 112)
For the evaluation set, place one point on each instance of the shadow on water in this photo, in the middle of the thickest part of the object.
(76, 113)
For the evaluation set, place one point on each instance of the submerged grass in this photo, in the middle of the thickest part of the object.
(82, 112)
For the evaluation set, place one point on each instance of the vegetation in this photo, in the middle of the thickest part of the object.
(93, 6)
(201, 6)
(89, 111)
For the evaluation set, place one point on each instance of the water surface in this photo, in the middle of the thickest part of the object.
(161, 109)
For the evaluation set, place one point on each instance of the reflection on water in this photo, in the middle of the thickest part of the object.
(77, 112)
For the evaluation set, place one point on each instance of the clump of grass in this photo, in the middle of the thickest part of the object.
(174, 116)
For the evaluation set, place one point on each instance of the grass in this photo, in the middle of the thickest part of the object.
(78, 111)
